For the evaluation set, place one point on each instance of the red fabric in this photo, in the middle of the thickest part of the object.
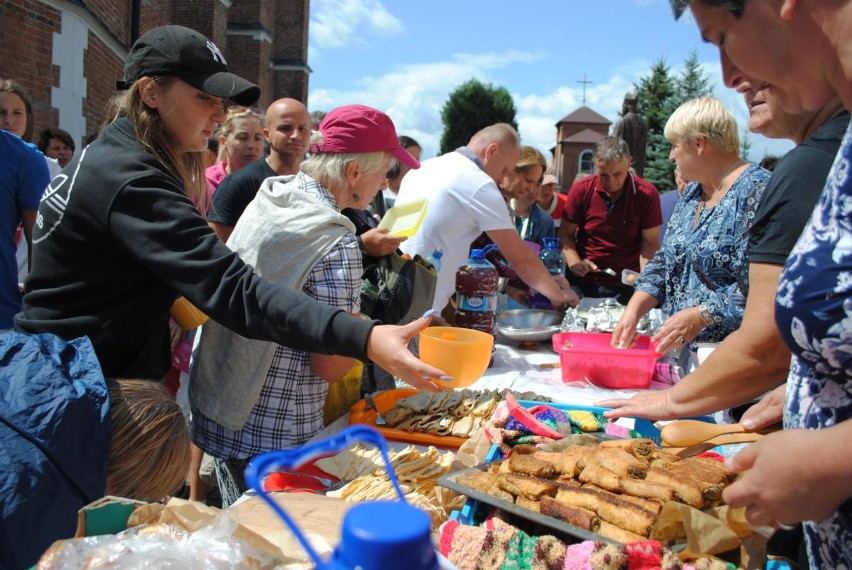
(445, 543)
(527, 418)
(561, 201)
(294, 482)
(611, 240)
(355, 129)
(172, 381)
(646, 555)
(215, 174)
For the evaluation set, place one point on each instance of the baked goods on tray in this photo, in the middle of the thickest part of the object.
(616, 488)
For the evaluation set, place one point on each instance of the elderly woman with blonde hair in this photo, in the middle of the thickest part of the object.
(699, 276)
(249, 396)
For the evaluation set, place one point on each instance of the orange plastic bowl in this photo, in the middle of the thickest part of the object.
(463, 354)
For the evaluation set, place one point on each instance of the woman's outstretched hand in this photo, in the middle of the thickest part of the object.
(650, 404)
(388, 347)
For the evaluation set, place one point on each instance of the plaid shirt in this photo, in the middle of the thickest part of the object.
(289, 409)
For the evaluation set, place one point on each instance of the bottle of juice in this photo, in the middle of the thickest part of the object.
(476, 292)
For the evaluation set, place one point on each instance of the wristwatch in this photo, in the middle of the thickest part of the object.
(704, 311)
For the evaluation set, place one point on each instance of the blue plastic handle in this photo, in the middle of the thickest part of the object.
(289, 459)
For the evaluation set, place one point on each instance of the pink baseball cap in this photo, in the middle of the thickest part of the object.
(354, 129)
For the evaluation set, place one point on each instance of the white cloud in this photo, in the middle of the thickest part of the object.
(344, 23)
(413, 95)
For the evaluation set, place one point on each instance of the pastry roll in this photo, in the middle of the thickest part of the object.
(648, 489)
(486, 483)
(609, 508)
(578, 497)
(620, 462)
(686, 490)
(565, 465)
(647, 504)
(609, 530)
(698, 471)
(599, 476)
(530, 487)
(576, 516)
(662, 458)
(640, 447)
(529, 465)
(528, 504)
(568, 483)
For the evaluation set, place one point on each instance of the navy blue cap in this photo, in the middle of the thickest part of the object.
(384, 535)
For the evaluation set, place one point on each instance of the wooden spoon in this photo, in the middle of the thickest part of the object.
(683, 433)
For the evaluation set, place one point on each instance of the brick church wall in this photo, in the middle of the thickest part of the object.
(27, 44)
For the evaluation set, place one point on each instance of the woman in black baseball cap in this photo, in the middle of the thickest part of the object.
(118, 238)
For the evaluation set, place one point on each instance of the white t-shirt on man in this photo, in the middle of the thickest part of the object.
(463, 202)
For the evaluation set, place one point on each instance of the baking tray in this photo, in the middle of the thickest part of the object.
(451, 481)
(359, 414)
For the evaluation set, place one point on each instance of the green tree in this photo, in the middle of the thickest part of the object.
(692, 81)
(471, 107)
(745, 144)
(656, 95)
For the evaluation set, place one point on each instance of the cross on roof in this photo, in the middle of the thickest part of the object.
(585, 82)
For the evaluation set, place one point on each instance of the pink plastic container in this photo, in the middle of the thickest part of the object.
(589, 356)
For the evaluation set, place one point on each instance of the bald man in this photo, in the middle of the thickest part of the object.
(464, 201)
(287, 132)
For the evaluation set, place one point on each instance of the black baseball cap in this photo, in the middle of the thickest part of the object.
(176, 51)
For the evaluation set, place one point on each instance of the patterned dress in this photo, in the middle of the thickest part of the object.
(814, 314)
(708, 263)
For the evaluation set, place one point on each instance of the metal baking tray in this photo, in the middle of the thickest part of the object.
(451, 481)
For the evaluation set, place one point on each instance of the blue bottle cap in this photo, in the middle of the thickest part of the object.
(385, 535)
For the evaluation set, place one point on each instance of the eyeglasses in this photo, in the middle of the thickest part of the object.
(233, 111)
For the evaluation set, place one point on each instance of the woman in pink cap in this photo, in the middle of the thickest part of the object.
(294, 234)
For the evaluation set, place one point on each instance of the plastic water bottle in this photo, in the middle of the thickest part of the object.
(552, 257)
(476, 292)
(553, 261)
(434, 259)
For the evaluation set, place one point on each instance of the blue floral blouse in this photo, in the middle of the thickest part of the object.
(707, 264)
(813, 311)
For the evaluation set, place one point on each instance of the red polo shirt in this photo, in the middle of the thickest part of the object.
(612, 239)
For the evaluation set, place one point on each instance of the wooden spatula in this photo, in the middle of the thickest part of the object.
(683, 433)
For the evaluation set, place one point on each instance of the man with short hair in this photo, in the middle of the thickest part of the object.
(464, 201)
(550, 200)
(611, 221)
(288, 132)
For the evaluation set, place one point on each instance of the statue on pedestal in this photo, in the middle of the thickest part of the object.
(632, 128)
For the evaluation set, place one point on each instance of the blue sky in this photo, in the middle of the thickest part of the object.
(405, 57)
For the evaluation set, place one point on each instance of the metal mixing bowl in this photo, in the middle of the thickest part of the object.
(528, 325)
